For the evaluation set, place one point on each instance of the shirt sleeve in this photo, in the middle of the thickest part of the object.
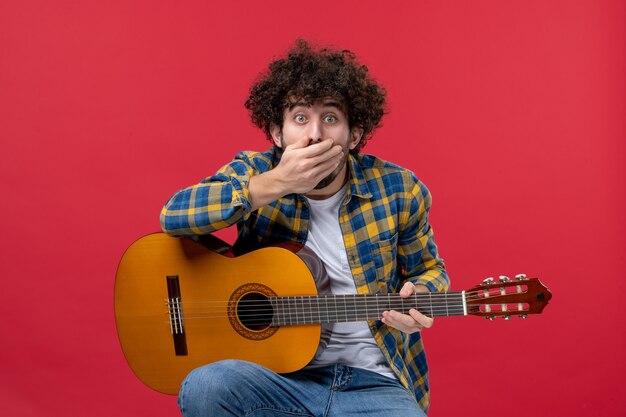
(417, 250)
(216, 202)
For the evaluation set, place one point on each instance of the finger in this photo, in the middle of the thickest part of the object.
(322, 165)
(299, 144)
(401, 322)
(408, 289)
(421, 288)
(423, 320)
(333, 157)
(406, 328)
(321, 171)
(318, 148)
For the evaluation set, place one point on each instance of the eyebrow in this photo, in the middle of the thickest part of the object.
(334, 104)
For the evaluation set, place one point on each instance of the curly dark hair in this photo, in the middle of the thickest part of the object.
(308, 74)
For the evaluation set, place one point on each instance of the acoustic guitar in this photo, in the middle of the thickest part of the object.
(180, 305)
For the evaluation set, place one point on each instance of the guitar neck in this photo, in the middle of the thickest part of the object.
(297, 310)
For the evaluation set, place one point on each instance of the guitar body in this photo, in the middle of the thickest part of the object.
(212, 333)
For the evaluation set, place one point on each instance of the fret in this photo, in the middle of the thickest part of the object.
(306, 310)
(344, 309)
(309, 311)
(430, 296)
(299, 317)
(378, 312)
(302, 311)
(314, 313)
(373, 309)
(349, 305)
(276, 314)
(362, 307)
(366, 312)
(285, 310)
(319, 310)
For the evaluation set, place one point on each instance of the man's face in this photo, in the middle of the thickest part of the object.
(322, 120)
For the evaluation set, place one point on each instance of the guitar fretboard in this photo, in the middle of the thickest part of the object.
(360, 307)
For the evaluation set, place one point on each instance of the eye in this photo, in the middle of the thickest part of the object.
(299, 118)
(330, 118)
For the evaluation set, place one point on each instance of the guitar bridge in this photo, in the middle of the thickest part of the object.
(175, 312)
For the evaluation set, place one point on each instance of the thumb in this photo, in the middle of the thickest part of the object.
(299, 144)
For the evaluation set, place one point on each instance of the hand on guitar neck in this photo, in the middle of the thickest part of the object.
(412, 322)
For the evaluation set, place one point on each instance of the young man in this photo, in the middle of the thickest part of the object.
(366, 219)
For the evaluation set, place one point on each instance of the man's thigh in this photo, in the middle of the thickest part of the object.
(371, 394)
(239, 388)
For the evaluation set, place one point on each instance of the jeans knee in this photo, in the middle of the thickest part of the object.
(208, 388)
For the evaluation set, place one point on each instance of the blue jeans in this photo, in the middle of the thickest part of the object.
(238, 388)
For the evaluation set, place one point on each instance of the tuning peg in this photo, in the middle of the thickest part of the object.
(488, 281)
(503, 278)
(520, 277)
(506, 317)
(523, 316)
(490, 317)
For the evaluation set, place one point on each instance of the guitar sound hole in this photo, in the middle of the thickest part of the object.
(255, 311)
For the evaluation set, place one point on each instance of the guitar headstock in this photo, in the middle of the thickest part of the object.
(507, 297)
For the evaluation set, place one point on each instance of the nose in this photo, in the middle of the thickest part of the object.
(315, 131)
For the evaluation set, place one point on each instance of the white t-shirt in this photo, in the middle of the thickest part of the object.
(350, 344)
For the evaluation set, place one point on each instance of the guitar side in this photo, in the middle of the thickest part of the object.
(206, 280)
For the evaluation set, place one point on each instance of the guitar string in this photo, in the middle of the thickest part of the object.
(305, 320)
(349, 302)
(286, 314)
(324, 305)
(331, 318)
(265, 312)
(289, 316)
(470, 296)
(390, 302)
(262, 317)
(269, 321)
(332, 304)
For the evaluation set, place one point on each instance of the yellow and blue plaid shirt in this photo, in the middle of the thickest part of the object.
(384, 221)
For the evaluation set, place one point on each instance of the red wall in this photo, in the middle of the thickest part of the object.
(511, 112)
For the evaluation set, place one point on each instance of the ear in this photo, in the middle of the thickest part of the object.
(277, 135)
(356, 134)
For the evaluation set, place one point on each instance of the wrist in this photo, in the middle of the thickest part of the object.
(266, 188)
